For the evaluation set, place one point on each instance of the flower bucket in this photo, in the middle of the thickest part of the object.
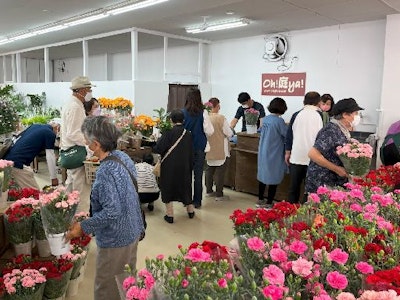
(251, 129)
(23, 248)
(73, 287)
(36, 295)
(43, 247)
(58, 245)
(56, 287)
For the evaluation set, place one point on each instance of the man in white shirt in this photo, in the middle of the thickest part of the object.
(72, 117)
(302, 131)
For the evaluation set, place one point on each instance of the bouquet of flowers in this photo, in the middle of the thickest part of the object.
(16, 193)
(208, 106)
(18, 221)
(356, 157)
(143, 124)
(57, 210)
(23, 284)
(57, 275)
(192, 274)
(251, 116)
(385, 177)
(119, 104)
(5, 174)
(77, 256)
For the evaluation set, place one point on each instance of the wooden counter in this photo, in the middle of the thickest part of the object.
(245, 170)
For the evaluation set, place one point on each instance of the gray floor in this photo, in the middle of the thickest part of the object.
(211, 222)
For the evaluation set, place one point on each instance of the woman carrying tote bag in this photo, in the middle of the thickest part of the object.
(176, 150)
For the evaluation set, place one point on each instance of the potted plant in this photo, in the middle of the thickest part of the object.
(163, 123)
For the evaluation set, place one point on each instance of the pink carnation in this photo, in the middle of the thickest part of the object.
(302, 267)
(298, 247)
(274, 275)
(345, 296)
(337, 280)
(278, 255)
(197, 255)
(364, 268)
(273, 292)
(255, 244)
(338, 256)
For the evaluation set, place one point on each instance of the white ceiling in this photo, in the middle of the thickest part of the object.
(268, 16)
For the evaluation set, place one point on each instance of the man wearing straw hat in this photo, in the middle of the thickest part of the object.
(72, 117)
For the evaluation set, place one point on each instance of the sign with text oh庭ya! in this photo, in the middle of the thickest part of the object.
(283, 84)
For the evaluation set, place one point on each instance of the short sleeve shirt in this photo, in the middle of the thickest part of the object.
(240, 114)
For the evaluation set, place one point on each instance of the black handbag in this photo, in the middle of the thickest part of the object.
(73, 157)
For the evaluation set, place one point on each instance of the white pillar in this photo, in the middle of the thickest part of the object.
(165, 57)
(13, 67)
(18, 68)
(135, 52)
(85, 55)
(46, 65)
(200, 63)
(4, 69)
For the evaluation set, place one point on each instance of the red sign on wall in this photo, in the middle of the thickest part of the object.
(283, 84)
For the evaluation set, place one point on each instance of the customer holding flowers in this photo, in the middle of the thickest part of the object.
(116, 220)
(325, 166)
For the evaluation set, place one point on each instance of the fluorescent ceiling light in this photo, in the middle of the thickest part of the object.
(5, 41)
(50, 29)
(229, 24)
(23, 36)
(86, 20)
(131, 7)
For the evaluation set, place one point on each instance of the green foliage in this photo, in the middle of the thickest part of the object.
(163, 123)
(39, 119)
(9, 108)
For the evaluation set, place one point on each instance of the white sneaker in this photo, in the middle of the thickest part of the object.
(222, 198)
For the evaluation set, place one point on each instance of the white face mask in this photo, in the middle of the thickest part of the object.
(97, 111)
(356, 120)
(245, 106)
(88, 96)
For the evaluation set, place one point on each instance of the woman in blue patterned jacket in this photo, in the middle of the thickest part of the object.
(116, 216)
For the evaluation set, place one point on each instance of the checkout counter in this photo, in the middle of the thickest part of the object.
(241, 170)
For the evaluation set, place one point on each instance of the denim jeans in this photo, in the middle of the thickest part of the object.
(198, 165)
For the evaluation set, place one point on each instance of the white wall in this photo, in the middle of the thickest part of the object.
(345, 61)
(390, 85)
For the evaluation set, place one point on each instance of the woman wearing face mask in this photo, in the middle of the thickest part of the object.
(92, 107)
(325, 167)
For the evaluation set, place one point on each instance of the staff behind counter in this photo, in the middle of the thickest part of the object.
(246, 102)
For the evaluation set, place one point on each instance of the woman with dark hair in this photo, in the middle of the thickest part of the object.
(198, 123)
(176, 150)
(271, 152)
(116, 216)
(326, 105)
(92, 107)
(325, 167)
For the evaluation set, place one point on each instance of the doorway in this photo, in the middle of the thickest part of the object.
(177, 95)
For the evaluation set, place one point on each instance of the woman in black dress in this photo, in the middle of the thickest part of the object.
(176, 168)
